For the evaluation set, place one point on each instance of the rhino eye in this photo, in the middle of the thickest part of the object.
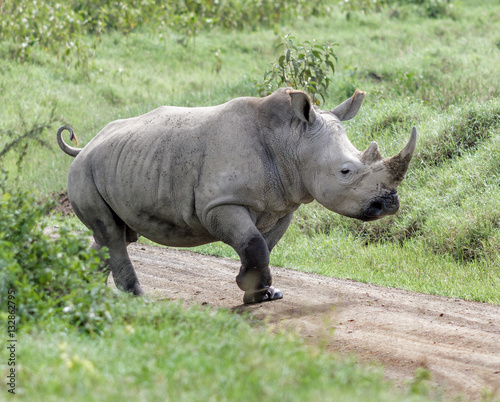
(347, 171)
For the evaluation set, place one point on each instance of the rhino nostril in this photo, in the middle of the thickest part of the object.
(381, 206)
(377, 205)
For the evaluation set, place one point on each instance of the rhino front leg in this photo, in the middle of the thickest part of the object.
(233, 225)
(276, 233)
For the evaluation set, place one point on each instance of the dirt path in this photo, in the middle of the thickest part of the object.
(458, 341)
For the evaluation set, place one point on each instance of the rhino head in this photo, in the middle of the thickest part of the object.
(353, 183)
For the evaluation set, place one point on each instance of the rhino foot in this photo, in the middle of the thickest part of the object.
(268, 294)
(136, 290)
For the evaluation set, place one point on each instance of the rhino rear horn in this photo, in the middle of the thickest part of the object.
(372, 154)
(398, 165)
(349, 108)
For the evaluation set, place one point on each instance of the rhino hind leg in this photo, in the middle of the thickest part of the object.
(131, 236)
(113, 235)
(109, 231)
(121, 267)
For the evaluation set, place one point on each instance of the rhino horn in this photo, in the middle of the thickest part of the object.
(372, 154)
(398, 165)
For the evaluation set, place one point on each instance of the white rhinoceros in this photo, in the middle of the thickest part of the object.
(234, 172)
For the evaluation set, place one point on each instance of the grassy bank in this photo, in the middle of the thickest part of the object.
(438, 74)
(416, 70)
(165, 352)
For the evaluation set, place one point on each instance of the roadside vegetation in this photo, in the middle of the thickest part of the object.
(432, 64)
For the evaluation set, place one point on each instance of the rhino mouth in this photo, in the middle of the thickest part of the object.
(380, 207)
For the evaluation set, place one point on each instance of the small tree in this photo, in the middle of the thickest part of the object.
(48, 280)
(15, 141)
(304, 66)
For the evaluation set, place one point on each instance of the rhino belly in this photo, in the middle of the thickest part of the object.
(170, 233)
(170, 220)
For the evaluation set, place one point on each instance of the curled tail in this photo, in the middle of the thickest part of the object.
(72, 151)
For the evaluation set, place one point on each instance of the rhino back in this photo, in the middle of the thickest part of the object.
(163, 171)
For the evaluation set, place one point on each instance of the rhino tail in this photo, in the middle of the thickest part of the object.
(72, 151)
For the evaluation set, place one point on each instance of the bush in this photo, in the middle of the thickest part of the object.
(59, 27)
(52, 279)
(303, 66)
(53, 26)
(426, 8)
(15, 141)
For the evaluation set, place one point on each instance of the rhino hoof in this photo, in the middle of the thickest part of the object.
(268, 294)
(137, 290)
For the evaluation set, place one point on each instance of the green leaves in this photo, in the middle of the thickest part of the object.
(52, 26)
(427, 8)
(304, 66)
(59, 26)
(54, 278)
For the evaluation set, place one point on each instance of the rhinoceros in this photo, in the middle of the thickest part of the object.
(234, 173)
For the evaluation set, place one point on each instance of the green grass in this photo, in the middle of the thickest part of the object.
(446, 238)
(163, 351)
(417, 71)
(440, 75)
(409, 266)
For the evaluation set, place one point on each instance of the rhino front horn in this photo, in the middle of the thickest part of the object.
(398, 165)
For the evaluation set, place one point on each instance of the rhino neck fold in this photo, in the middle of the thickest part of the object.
(283, 155)
(281, 134)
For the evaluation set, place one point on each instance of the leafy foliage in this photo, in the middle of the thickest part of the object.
(49, 25)
(428, 8)
(365, 6)
(194, 15)
(303, 66)
(53, 278)
(59, 27)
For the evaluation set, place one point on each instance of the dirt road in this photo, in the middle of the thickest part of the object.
(458, 341)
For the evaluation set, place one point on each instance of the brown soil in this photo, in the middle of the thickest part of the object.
(456, 340)
(62, 205)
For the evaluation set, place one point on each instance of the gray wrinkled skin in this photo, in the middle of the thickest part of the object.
(233, 173)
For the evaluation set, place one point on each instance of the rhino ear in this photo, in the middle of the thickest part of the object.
(349, 108)
(301, 106)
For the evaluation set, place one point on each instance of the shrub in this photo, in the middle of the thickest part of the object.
(53, 26)
(59, 27)
(427, 8)
(18, 142)
(303, 66)
(53, 278)
(365, 6)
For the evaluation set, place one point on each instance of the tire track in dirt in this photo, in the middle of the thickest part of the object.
(458, 341)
